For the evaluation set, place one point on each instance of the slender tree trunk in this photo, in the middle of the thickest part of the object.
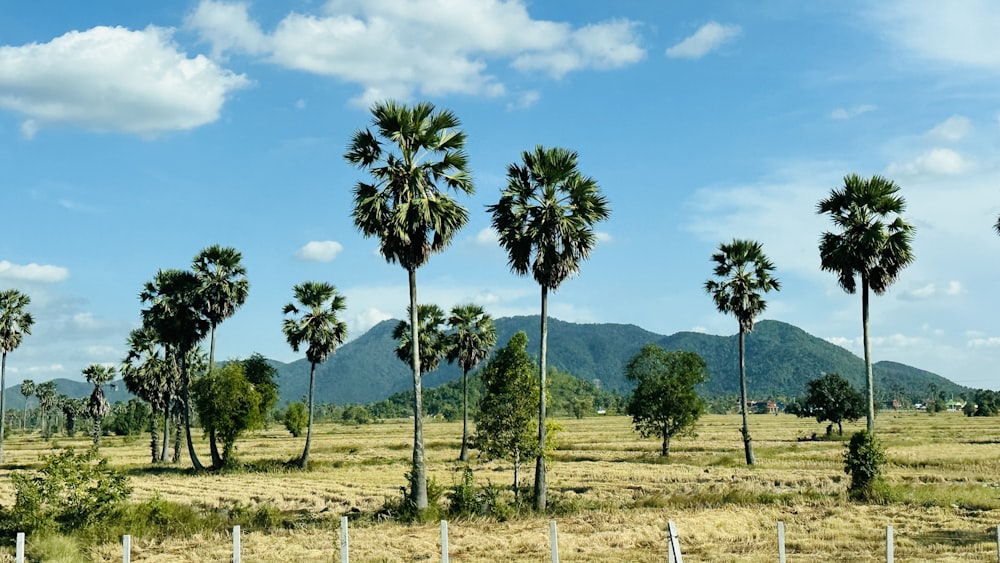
(97, 430)
(3, 385)
(464, 456)
(213, 445)
(178, 438)
(166, 433)
(747, 445)
(540, 488)
(869, 381)
(517, 467)
(304, 460)
(665, 451)
(185, 384)
(418, 474)
(154, 439)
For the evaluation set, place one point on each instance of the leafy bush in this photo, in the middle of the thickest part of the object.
(71, 491)
(356, 414)
(864, 461)
(403, 509)
(296, 418)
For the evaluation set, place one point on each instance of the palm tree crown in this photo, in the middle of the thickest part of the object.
(874, 241)
(224, 285)
(474, 335)
(412, 152)
(546, 214)
(744, 274)
(433, 343)
(317, 325)
(176, 309)
(997, 226)
(15, 321)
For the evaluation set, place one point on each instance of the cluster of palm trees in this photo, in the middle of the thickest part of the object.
(545, 220)
(872, 244)
(183, 307)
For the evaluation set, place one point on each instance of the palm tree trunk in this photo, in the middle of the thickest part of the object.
(166, 433)
(154, 439)
(665, 449)
(3, 385)
(869, 380)
(304, 460)
(185, 384)
(213, 444)
(747, 445)
(540, 488)
(464, 456)
(418, 474)
(97, 430)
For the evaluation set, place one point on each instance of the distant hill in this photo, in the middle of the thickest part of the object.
(13, 399)
(781, 359)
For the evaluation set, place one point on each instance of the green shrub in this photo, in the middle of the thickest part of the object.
(70, 492)
(864, 461)
(403, 509)
(296, 418)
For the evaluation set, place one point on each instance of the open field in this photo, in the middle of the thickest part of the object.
(614, 494)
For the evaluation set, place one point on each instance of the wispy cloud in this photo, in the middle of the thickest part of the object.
(708, 38)
(953, 129)
(941, 161)
(32, 272)
(851, 112)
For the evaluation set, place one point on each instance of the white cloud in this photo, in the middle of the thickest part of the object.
(432, 47)
(113, 79)
(487, 237)
(931, 290)
(319, 251)
(524, 101)
(986, 342)
(602, 236)
(360, 323)
(708, 38)
(32, 272)
(953, 129)
(946, 162)
(962, 33)
(849, 113)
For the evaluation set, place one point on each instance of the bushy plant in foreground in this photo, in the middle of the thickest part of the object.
(865, 461)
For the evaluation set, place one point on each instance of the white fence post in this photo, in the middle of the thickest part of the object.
(444, 541)
(19, 554)
(345, 556)
(675, 544)
(889, 548)
(236, 544)
(554, 541)
(126, 548)
(998, 544)
(781, 542)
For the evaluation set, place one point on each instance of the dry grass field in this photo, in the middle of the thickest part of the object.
(614, 494)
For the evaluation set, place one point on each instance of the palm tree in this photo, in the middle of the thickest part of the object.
(15, 322)
(433, 344)
(176, 314)
(873, 244)
(413, 154)
(545, 219)
(316, 325)
(149, 371)
(97, 407)
(474, 335)
(224, 287)
(997, 226)
(744, 273)
(46, 394)
(27, 389)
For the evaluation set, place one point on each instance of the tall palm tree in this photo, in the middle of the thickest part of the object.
(46, 394)
(97, 407)
(224, 287)
(744, 274)
(15, 322)
(473, 336)
(873, 244)
(414, 155)
(316, 325)
(150, 372)
(545, 220)
(176, 313)
(27, 389)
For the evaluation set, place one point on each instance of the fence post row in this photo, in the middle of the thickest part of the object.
(19, 553)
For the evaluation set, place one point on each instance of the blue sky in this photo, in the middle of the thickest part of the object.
(134, 134)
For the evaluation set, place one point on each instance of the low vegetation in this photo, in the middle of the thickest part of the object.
(611, 493)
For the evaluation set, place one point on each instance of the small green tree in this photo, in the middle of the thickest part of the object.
(865, 461)
(831, 398)
(228, 404)
(261, 375)
(664, 403)
(296, 418)
(506, 425)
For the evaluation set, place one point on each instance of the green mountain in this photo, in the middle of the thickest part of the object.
(781, 359)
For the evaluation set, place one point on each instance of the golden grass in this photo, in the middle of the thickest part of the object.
(944, 468)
